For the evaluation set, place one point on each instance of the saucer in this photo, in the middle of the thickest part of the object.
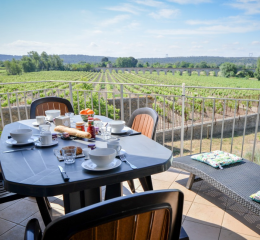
(123, 131)
(35, 124)
(122, 152)
(89, 165)
(39, 144)
(13, 142)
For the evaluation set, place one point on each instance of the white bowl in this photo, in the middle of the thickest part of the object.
(102, 156)
(51, 114)
(21, 135)
(116, 126)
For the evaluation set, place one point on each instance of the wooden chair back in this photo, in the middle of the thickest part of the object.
(39, 106)
(148, 215)
(144, 120)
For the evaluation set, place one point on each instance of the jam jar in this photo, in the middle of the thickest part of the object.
(80, 126)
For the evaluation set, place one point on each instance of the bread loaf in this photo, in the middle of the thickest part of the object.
(78, 151)
(72, 132)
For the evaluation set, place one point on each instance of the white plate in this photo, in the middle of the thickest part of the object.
(13, 142)
(39, 144)
(122, 152)
(35, 124)
(123, 131)
(89, 165)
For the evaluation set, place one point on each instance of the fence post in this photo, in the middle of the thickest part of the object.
(122, 101)
(256, 130)
(71, 95)
(182, 117)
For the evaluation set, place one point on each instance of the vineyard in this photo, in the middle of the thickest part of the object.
(206, 103)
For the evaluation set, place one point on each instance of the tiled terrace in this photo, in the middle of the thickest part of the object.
(208, 213)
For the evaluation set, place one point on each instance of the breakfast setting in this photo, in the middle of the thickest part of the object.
(66, 134)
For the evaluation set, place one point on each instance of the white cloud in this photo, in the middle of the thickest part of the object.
(132, 25)
(125, 8)
(205, 42)
(150, 3)
(235, 43)
(255, 42)
(189, 1)
(114, 20)
(97, 31)
(249, 6)
(93, 45)
(196, 47)
(211, 30)
(165, 13)
(175, 47)
(21, 43)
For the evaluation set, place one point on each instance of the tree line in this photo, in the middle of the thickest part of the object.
(44, 62)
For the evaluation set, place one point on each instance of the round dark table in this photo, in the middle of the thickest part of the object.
(35, 173)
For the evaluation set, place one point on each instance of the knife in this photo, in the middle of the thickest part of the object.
(64, 174)
(131, 134)
(137, 133)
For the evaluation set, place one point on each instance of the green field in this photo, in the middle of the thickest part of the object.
(162, 93)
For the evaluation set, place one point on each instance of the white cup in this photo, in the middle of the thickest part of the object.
(40, 120)
(86, 152)
(115, 145)
(46, 138)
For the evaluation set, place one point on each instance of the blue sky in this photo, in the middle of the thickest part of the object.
(138, 28)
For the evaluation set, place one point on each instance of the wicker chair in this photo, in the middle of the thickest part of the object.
(148, 215)
(143, 120)
(39, 106)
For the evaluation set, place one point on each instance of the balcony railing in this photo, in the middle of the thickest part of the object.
(187, 124)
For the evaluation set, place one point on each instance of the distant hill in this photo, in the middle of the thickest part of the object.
(216, 60)
(84, 58)
(9, 57)
(96, 59)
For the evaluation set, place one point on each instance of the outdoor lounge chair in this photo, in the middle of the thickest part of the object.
(148, 215)
(39, 106)
(143, 120)
(238, 181)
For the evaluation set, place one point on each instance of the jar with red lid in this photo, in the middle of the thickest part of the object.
(80, 126)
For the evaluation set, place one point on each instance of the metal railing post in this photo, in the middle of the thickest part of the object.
(122, 101)
(256, 130)
(182, 117)
(71, 95)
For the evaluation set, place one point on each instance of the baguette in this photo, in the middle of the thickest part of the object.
(72, 132)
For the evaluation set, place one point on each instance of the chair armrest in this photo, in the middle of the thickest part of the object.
(33, 230)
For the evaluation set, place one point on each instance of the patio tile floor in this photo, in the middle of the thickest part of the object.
(207, 215)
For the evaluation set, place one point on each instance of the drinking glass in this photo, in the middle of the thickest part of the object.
(69, 155)
(71, 115)
(105, 133)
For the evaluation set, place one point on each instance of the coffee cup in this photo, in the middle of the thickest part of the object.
(115, 145)
(46, 138)
(40, 120)
(86, 152)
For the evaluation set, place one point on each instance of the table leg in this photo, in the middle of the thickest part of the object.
(77, 200)
(114, 190)
(46, 217)
(146, 183)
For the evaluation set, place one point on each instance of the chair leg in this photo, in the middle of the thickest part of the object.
(47, 203)
(131, 185)
(190, 181)
(146, 183)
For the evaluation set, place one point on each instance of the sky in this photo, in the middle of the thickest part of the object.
(138, 28)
